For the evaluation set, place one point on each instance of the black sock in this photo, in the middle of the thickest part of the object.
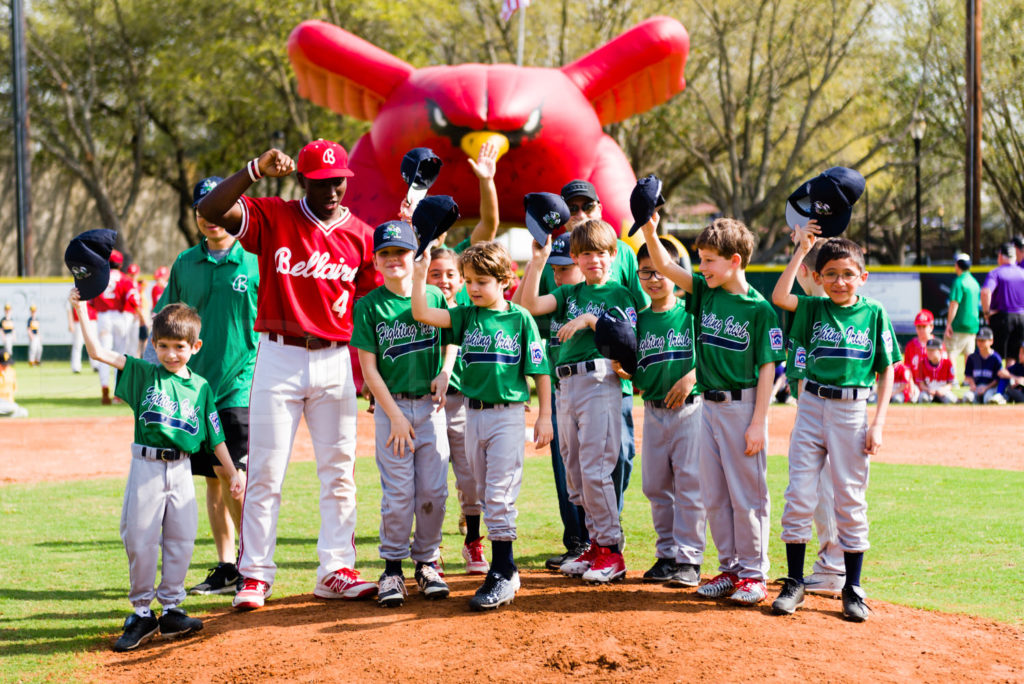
(392, 567)
(501, 558)
(472, 528)
(584, 532)
(614, 548)
(854, 562)
(795, 558)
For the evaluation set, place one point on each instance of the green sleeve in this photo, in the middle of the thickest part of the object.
(130, 379)
(536, 357)
(214, 430)
(363, 334)
(459, 316)
(770, 346)
(887, 351)
(461, 246)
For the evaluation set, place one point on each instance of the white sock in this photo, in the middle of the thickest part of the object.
(143, 611)
(168, 609)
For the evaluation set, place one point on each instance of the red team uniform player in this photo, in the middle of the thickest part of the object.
(315, 260)
(119, 298)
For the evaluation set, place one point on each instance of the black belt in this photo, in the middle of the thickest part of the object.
(719, 396)
(160, 453)
(308, 342)
(452, 390)
(571, 369)
(407, 395)
(477, 404)
(660, 403)
(827, 392)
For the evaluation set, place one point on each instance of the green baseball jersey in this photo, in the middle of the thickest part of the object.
(967, 293)
(845, 345)
(737, 334)
(170, 411)
(575, 300)
(664, 349)
(499, 349)
(462, 246)
(624, 271)
(793, 372)
(224, 293)
(409, 354)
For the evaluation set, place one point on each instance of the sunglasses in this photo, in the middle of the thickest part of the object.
(586, 207)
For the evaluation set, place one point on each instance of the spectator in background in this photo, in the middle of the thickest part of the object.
(1002, 302)
(915, 351)
(982, 373)
(35, 338)
(8, 386)
(904, 389)
(935, 375)
(7, 330)
(1015, 379)
(962, 321)
(1018, 245)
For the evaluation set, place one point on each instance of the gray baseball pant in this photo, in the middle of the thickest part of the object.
(495, 445)
(455, 411)
(158, 519)
(735, 488)
(670, 473)
(830, 559)
(413, 486)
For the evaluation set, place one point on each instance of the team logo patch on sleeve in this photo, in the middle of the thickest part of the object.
(887, 341)
(536, 353)
(631, 314)
(215, 422)
(775, 337)
(800, 358)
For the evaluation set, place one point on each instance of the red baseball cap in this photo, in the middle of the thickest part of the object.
(161, 272)
(133, 269)
(116, 257)
(323, 159)
(924, 317)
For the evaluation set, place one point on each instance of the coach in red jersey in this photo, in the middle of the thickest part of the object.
(315, 260)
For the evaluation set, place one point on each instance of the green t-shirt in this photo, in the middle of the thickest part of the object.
(846, 345)
(170, 411)
(738, 333)
(409, 354)
(224, 293)
(499, 349)
(967, 293)
(624, 271)
(664, 350)
(578, 299)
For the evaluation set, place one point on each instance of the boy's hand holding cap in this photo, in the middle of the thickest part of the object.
(644, 201)
(546, 212)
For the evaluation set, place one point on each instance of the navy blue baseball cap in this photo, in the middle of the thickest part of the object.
(88, 258)
(203, 189)
(560, 254)
(827, 198)
(432, 218)
(546, 212)
(394, 234)
(644, 200)
(420, 168)
(615, 337)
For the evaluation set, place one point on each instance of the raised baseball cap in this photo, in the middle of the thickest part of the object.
(88, 257)
(323, 159)
(924, 317)
(645, 200)
(828, 199)
(579, 188)
(560, 253)
(394, 234)
(546, 212)
(615, 338)
(433, 217)
(985, 333)
(203, 188)
(420, 168)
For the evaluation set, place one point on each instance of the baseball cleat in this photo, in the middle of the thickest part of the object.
(825, 584)
(473, 554)
(391, 591)
(495, 591)
(685, 575)
(222, 579)
(581, 563)
(251, 595)
(177, 623)
(609, 566)
(854, 608)
(430, 581)
(790, 598)
(749, 592)
(344, 583)
(661, 571)
(137, 629)
(719, 586)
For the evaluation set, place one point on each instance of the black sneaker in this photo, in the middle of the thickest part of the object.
(137, 629)
(222, 579)
(685, 575)
(790, 598)
(661, 571)
(495, 591)
(177, 623)
(391, 590)
(854, 608)
(556, 562)
(431, 584)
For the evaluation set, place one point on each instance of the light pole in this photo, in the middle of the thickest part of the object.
(917, 126)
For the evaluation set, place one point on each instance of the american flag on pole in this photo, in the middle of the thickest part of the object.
(509, 7)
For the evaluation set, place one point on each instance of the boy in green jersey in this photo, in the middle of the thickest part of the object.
(407, 369)
(849, 341)
(175, 415)
(500, 347)
(738, 344)
(670, 468)
(590, 392)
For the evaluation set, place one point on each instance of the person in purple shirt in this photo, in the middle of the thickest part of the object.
(1002, 302)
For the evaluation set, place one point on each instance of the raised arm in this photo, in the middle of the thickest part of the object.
(484, 167)
(96, 351)
(421, 310)
(220, 206)
(535, 303)
(803, 240)
(662, 261)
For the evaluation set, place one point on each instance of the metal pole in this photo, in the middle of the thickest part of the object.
(22, 160)
(522, 36)
(976, 133)
(867, 226)
(917, 199)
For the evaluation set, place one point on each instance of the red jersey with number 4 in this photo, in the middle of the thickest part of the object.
(934, 375)
(311, 272)
(120, 295)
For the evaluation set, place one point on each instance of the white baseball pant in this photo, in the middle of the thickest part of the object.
(288, 383)
(413, 486)
(9, 344)
(495, 446)
(131, 334)
(35, 349)
(465, 484)
(111, 333)
(77, 341)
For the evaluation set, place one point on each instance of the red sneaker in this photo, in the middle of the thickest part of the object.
(581, 563)
(473, 554)
(607, 567)
(252, 595)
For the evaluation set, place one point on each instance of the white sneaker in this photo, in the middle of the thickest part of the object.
(824, 584)
(344, 583)
(749, 592)
(252, 595)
